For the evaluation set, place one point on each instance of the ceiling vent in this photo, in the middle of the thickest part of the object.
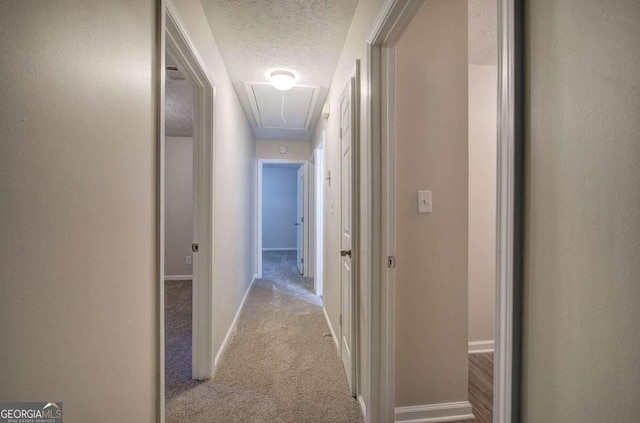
(274, 109)
(174, 73)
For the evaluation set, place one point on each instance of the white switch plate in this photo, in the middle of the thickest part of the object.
(424, 202)
(188, 259)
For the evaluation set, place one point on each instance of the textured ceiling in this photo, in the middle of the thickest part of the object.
(256, 37)
(178, 104)
(483, 32)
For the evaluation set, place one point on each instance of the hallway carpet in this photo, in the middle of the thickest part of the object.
(278, 367)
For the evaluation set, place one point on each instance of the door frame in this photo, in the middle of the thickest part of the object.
(305, 207)
(301, 236)
(174, 38)
(394, 18)
(317, 181)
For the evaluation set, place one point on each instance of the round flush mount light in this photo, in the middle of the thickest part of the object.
(283, 80)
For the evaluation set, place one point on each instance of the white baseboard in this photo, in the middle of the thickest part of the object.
(477, 347)
(280, 249)
(432, 413)
(178, 277)
(363, 407)
(232, 328)
(333, 334)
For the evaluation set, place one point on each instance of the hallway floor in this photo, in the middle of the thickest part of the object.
(480, 387)
(278, 366)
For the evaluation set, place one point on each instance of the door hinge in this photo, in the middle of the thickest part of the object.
(302, 260)
(340, 319)
(391, 262)
(302, 219)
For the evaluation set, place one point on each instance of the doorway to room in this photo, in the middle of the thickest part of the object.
(283, 226)
(185, 210)
(466, 210)
(178, 229)
(282, 216)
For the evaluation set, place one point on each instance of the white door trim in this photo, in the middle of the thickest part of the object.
(306, 199)
(393, 19)
(318, 214)
(510, 212)
(175, 39)
(310, 266)
(356, 213)
(160, 158)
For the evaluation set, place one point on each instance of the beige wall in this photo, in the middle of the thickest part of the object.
(582, 273)
(431, 271)
(296, 150)
(78, 209)
(354, 48)
(178, 204)
(78, 280)
(483, 97)
(234, 180)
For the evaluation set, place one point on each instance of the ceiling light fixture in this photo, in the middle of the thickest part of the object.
(283, 80)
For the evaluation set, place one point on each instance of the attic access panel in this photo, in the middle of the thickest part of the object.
(271, 112)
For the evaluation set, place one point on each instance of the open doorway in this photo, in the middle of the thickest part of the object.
(185, 207)
(482, 202)
(282, 217)
(427, 208)
(283, 200)
(178, 229)
(445, 237)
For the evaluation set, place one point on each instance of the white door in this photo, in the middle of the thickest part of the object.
(300, 222)
(347, 274)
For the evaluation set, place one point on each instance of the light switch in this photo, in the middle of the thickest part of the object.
(424, 201)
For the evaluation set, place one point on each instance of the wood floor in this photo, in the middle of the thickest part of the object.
(481, 387)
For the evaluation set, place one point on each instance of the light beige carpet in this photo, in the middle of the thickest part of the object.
(278, 367)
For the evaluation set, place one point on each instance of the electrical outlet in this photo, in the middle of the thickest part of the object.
(188, 259)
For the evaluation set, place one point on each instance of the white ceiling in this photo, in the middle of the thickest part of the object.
(256, 37)
(274, 109)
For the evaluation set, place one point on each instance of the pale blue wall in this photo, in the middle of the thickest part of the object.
(279, 193)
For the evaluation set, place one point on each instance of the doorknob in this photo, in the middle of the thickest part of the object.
(345, 253)
(295, 224)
